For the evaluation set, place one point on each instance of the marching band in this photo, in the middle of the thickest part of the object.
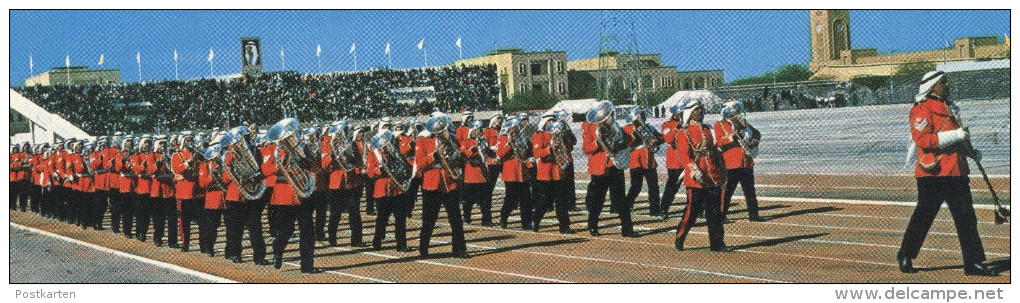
(231, 177)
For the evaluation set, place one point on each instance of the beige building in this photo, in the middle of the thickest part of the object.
(520, 71)
(74, 75)
(653, 75)
(832, 55)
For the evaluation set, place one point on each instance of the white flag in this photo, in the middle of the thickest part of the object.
(101, 59)
(211, 55)
(421, 44)
(352, 48)
(281, 52)
(67, 61)
(387, 48)
(31, 66)
(458, 41)
(175, 55)
(138, 57)
(318, 49)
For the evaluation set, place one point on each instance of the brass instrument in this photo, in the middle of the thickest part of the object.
(482, 146)
(294, 162)
(1001, 212)
(558, 147)
(212, 153)
(608, 134)
(386, 150)
(244, 169)
(743, 131)
(449, 156)
(344, 151)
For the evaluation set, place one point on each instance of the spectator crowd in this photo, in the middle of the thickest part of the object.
(206, 103)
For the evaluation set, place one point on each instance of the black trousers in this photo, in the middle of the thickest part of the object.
(238, 217)
(345, 201)
(432, 200)
(745, 177)
(388, 206)
(127, 214)
(285, 217)
(674, 180)
(46, 201)
(369, 194)
(550, 192)
(143, 209)
(411, 196)
(931, 192)
(651, 177)
(164, 220)
(595, 200)
(490, 183)
(36, 197)
(319, 206)
(13, 193)
(569, 188)
(264, 201)
(709, 200)
(190, 211)
(99, 202)
(208, 229)
(23, 188)
(517, 194)
(474, 193)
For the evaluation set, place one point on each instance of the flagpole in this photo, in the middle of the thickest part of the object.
(139, 60)
(283, 61)
(426, 52)
(355, 59)
(31, 68)
(389, 60)
(67, 68)
(175, 66)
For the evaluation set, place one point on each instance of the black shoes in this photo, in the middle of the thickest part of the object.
(310, 270)
(488, 224)
(98, 227)
(358, 244)
(534, 227)
(906, 266)
(278, 262)
(628, 234)
(567, 230)
(502, 223)
(755, 219)
(977, 269)
(594, 232)
(173, 244)
(332, 243)
(723, 248)
(211, 252)
(158, 243)
(461, 254)
(370, 212)
(403, 248)
(262, 262)
(235, 259)
(678, 244)
(184, 248)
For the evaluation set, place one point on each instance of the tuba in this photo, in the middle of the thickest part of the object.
(449, 155)
(559, 148)
(390, 161)
(343, 150)
(744, 132)
(608, 134)
(482, 145)
(293, 164)
(649, 136)
(244, 170)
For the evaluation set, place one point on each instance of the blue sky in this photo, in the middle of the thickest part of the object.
(743, 43)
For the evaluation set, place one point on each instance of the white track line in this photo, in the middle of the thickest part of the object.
(894, 218)
(187, 271)
(386, 256)
(1000, 191)
(870, 229)
(335, 272)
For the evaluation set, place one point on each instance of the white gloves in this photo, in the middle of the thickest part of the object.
(948, 138)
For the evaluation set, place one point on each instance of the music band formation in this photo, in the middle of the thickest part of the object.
(314, 175)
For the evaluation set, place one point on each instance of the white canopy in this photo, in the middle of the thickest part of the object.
(706, 96)
(579, 106)
(45, 125)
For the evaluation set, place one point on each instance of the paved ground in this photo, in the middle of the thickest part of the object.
(46, 258)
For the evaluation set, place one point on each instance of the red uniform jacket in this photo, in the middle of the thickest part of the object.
(597, 161)
(84, 182)
(435, 177)
(138, 164)
(733, 154)
(127, 177)
(184, 189)
(100, 177)
(162, 178)
(542, 150)
(695, 137)
(337, 176)
(407, 151)
(64, 163)
(669, 133)
(512, 171)
(491, 136)
(927, 119)
(639, 157)
(384, 185)
(472, 174)
(33, 163)
(45, 168)
(213, 194)
(233, 193)
(463, 132)
(70, 172)
(267, 160)
(17, 160)
(112, 176)
(283, 193)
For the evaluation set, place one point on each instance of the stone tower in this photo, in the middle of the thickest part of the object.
(830, 35)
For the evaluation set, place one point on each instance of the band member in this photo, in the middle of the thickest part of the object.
(97, 198)
(729, 133)
(642, 160)
(110, 152)
(142, 206)
(491, 135)
(704, 174)
(242, 213)
(66, 179)
(80, 200)
(406, 136)
(434, 158)
(674, 172)
(265, 151)
(73, 181)
(125, 213)
(548, 176)
(605, 175)
(463, 131)
(161, 195)
(569, 141)
(475, 173)
(34, 165)
(386, 191)
(211, 180)
(514, 174)
(315, 143)
(943, 146)
(185, 163)
(16, 162)
(46, 179)
(287, 208)
(344, 186)
(362, 135)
